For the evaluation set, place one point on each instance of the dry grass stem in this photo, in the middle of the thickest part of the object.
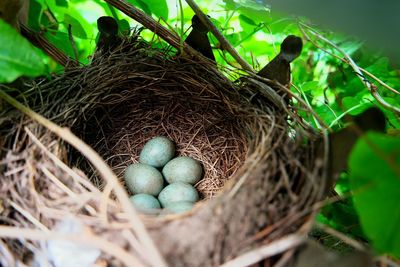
(266, 251)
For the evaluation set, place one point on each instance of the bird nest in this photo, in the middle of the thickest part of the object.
(260, 181)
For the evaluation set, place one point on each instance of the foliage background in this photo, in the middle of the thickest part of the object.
(325, 82)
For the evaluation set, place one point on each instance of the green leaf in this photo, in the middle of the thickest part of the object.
(258, 12)
(216, 22)
(62, 3)
(158, 8)
(247, 20)
(310, 86)
(342, 186)
(142, 5)
(392, 118)
(258, 15)
(230, 5)
(349, 47)
(124, 26)
(17, 56)
(61, 41)
(375, 181)
(342, 216)
(380, 67)
(325, 113)
(233, 38)
(350, 102)
(35, 9)
(77, 29)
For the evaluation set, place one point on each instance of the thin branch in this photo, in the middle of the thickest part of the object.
(7, 256)
(380, 81)
(286, 257)
(182, 24)
(172, 39)
(43, 44)
(371, 87)
(266, 251)
(28, 216)
(104, 170)
(148, 22)
(223, 41)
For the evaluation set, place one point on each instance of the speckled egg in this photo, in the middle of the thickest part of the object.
(183, 169)
(142, 178)
(179, 207)
(145, 203)
(157, 152)
(176, 192)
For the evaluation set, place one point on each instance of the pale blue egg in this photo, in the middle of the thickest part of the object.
(142, 178)
(157, 152)
(145, 203)
(177, 192)
(179, 207)
(183, 169)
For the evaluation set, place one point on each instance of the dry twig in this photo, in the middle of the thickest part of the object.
(47, 47)
(266, 251)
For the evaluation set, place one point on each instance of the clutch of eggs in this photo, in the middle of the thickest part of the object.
(146, 182)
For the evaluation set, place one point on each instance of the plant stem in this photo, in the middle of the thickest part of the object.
(182, 26)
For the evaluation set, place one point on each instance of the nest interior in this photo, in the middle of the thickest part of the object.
(174, 99)
(124, 98)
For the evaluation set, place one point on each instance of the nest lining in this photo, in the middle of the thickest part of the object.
(196, 118)
(125, 98)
